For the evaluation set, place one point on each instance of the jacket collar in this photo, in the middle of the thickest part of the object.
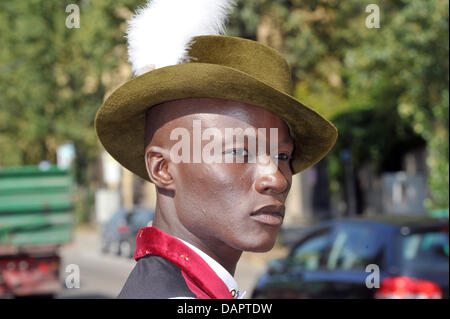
(223, 274)
(152, 241)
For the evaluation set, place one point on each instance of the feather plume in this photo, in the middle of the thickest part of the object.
(160, 33)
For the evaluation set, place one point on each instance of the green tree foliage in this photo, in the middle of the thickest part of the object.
(386, 89)
(406, 65)
(53, 78)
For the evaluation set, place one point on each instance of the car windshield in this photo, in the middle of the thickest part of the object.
(425, 251)
(117, 217)
(141, 218)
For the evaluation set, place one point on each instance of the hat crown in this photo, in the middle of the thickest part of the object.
(251, 57)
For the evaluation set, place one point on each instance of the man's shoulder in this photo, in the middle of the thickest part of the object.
(154, 277)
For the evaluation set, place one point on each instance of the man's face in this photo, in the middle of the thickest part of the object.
(239, 204)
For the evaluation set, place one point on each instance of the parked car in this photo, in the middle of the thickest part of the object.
(119, 233)
(135, 221)
(331, 260)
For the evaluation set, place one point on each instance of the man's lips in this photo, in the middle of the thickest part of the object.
(269, 214)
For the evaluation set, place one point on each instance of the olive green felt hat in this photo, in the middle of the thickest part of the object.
(219, 67)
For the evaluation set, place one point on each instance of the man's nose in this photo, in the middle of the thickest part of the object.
(271, 181)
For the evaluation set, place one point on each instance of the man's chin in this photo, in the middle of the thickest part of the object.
(260, 247)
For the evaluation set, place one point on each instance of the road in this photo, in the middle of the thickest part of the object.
(103, 275)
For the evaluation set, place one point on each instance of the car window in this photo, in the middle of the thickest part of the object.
(354, 247)
(141, 218)
(425, 251)
(310, 254)
(117, 217)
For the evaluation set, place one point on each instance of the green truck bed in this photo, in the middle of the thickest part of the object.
(36, 206)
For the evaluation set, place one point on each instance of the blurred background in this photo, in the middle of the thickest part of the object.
(380, 197)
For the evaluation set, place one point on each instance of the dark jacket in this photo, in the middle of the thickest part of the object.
(167, 268)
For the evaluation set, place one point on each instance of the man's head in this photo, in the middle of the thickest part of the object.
(222, 67)
(235, 204)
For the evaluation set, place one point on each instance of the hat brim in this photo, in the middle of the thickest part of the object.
(120, 122)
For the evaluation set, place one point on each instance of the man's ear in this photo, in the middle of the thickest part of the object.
(157, 163)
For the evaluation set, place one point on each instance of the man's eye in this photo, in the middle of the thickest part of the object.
(283, 157)
(239, 152)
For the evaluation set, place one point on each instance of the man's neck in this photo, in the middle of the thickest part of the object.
(219, 251)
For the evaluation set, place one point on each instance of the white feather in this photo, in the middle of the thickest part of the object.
(159, 33)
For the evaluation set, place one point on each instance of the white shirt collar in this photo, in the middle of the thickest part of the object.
(223, 274)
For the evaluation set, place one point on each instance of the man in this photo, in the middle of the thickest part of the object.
(225, 193)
